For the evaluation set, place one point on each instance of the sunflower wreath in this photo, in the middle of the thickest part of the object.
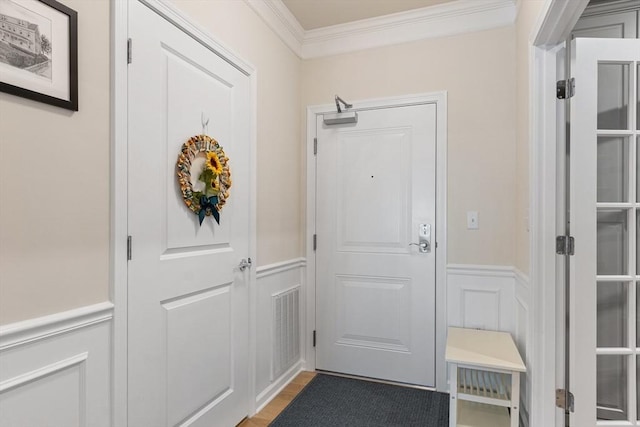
(204, 176)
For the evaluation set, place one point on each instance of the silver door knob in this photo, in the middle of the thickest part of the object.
(424, 238)
(424, 246)
(244, 264)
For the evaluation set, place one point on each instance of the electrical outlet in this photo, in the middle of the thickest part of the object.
(472, 220)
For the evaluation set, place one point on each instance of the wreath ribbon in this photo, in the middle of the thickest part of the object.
(208, 204)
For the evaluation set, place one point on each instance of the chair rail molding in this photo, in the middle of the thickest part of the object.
(280, 267)
(19, 333)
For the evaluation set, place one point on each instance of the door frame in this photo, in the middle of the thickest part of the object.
(440, 100)
(118, 280)
(546, 371)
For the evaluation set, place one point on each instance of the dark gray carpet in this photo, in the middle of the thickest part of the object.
(335, 401)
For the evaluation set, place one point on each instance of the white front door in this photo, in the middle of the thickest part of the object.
(187, 300)
(604, 333)
(375, 293)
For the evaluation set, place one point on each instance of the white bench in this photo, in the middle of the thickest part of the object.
(484, 378)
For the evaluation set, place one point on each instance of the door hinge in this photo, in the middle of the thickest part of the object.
(315, 146)
(565, 88)
(314, 338)
(128, 248)
(129, 51)
(565, 245)
(564, 399)
(315, 242)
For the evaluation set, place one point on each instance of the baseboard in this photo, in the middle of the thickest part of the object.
(56, 370)
(277, 386)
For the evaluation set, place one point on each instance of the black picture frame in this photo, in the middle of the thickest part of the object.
(47, 81)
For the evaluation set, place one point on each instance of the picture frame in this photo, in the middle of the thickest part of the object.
(39, 51)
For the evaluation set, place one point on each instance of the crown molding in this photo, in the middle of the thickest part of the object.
(457, 17)
(281, 21)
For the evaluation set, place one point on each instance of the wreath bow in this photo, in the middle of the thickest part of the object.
(208, 204)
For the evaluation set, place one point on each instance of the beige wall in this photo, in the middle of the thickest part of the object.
(238, 27)
(54, 187)
(54, 166)
(528, 12)
(478, 72)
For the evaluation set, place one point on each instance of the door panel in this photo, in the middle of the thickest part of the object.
(603, 213)
(359, 196)
(187, 80)
(362, 299)
(196, 362)
(375, 293)
(188, 301)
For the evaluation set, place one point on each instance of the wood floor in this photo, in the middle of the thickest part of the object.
(271, 411)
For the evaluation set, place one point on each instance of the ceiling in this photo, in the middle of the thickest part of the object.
(313, 14)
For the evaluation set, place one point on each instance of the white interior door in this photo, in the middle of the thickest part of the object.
(604, 337)
(187, 299)
(375, 294)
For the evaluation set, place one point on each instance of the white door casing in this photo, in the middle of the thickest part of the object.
(559, 174)
(603, 206)
(556, 20)
(377, 265)
(188, 303)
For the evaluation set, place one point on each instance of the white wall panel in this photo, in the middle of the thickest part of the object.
(481, 297)
(522, 338)
(496, 298)
(59, 390)
(273, 279)
(56, 370)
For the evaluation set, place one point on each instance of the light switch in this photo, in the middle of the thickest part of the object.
(472, 220)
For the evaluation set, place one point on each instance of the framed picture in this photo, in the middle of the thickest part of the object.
(39, 51)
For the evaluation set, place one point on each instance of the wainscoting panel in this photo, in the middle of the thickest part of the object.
(494, 298)
(481, 297)
(273, 371)
(523, 340)
(56, 370)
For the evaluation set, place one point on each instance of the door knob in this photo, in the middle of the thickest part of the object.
(424, 238)
(244, 264)
(423, 246)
